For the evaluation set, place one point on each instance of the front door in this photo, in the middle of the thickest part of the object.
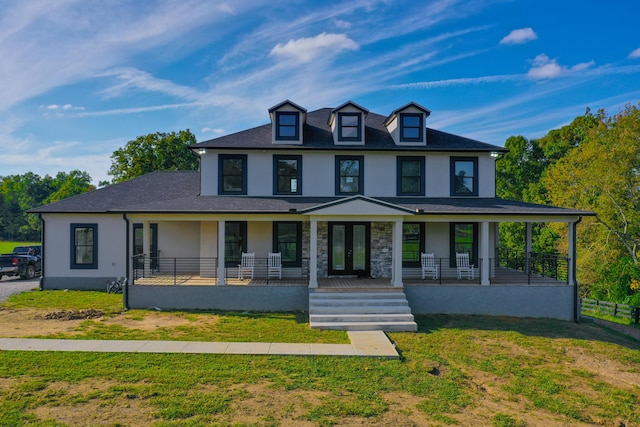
(349, 248)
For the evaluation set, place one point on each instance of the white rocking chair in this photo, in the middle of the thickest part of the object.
(246, 264)
(274, 265)
(463, 266)
(428, 265)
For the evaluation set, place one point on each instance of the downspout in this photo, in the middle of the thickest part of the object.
(125, 291)
(42, 246)
(574, 254)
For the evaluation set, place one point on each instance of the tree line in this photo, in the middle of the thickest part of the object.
(593, 163)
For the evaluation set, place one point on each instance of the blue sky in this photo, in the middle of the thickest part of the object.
(81, 78)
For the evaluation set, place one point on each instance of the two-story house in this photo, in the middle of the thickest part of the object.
(345, 198)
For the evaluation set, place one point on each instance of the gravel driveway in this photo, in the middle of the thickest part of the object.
(13, 285)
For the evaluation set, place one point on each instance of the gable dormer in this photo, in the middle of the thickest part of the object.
(347, 124)
(406, 125)
(287, 123)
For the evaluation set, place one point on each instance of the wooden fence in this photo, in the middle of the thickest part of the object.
(611, 309)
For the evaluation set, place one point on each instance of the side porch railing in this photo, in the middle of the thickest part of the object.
(195, 270)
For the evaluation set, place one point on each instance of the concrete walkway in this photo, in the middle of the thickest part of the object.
(363, 343)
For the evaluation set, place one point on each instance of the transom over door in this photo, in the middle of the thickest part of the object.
(349, 248)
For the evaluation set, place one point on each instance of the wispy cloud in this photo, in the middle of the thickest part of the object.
(132, 79)
(460, 82)
(306, 49)
(635, 53)
(520, 36)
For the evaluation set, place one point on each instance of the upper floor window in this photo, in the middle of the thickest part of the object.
(287, 125)
(464, 176)
(84, 246)
(349, 174)
(410, 176)
(287, 174)
(411, 127)
(232, 174)
(349, 126)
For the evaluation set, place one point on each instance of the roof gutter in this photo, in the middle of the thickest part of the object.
(574, 254)
(125, 291)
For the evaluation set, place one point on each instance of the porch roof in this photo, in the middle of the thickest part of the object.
(177, 193)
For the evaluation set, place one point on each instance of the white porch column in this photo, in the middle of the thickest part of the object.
(396, 251)
(146, 246)
(527, 246)
(571, 266)
(313, 255)
(484, 253)
(221, 279)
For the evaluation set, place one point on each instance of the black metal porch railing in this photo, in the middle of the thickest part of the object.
(176, 271)
(536, 267)
(447, 272)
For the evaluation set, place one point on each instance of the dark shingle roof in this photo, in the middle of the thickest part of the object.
(177, 192)
(318, 136)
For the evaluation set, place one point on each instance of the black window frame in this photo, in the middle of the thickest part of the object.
(400, 176)
(360, 175)
(420, 127)
(421, 245)
(279, 126)
(73, 247)
(454, 177)
(233, 261)
(276, 175)
(276, 246)
(341, 126)
(473, 256)
(221, 175)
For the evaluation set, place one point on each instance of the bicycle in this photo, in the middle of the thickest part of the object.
(116, 286)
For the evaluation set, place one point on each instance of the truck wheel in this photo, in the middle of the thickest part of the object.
(29, 273)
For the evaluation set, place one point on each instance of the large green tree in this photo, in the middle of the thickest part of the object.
(154, 152)
(602, 174)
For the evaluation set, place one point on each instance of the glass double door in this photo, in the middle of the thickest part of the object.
(349, 252)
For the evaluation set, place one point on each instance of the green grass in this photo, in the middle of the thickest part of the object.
(7, 247)
(544, 370)
(615, 319)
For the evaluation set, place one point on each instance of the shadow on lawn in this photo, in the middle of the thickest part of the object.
(548, 328)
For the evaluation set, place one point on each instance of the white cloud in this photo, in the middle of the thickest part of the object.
(131, 78)
(343, 25)
(217, 131)
(544, 68)
(635, 54)
(307, 49)
(520, 36)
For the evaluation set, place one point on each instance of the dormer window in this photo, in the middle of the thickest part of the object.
(349, 126)
(287, 125)
(406, 125)
(411, 127)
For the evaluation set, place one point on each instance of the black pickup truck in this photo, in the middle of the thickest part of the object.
(25, 261)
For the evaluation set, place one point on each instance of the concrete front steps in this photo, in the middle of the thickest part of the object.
(360, 310)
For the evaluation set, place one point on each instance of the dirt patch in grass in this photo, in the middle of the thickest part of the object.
(25, 322)
(91, 409)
